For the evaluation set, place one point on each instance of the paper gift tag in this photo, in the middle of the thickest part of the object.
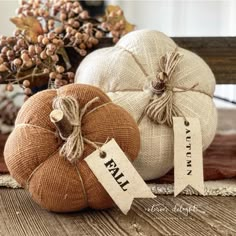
(188, 161)
(118, 176)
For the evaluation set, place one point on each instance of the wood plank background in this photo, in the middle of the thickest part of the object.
(218, 52)
(20, 216)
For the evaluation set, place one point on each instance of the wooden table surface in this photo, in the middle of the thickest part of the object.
(165, 215)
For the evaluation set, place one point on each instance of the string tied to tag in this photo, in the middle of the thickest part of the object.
(161, 108)
(67, 117)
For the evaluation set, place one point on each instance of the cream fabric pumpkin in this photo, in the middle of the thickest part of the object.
(125, 73)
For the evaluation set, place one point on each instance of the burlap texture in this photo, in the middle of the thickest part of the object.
(32, 150)
(125, 70)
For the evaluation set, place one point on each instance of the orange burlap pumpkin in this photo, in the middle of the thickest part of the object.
(32, 150)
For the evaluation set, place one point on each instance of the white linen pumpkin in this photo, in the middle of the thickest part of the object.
(147, 67)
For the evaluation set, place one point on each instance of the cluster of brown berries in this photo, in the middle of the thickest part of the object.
(68, 20)
(21, 60)
(114, 26)
(64, 24)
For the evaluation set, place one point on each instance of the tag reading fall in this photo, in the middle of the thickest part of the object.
(118, 176)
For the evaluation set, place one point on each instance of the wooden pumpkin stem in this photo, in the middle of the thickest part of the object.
(62, 123)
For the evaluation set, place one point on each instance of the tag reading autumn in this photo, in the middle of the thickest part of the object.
(188, 161)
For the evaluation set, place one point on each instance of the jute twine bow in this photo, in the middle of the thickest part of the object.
(67, 116)
(161, 108)
(73, 147)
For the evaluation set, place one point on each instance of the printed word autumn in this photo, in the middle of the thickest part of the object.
(188, 150)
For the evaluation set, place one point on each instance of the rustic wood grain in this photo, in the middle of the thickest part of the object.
(218, 52)
(20, 216)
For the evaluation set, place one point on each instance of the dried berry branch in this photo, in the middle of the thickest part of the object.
(46, 31)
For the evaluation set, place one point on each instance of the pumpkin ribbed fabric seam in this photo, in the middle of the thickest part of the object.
(161, 108)
(74, 144)
(91, 143)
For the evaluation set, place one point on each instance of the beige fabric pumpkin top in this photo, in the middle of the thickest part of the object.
(125, 72)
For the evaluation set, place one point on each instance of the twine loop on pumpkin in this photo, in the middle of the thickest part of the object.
(73, 147)
(161, 108)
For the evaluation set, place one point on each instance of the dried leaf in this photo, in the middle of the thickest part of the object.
(119, 16)
(31, 26)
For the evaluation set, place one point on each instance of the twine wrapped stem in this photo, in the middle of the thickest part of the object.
(63, 125)
(67, 117)
(161, 108)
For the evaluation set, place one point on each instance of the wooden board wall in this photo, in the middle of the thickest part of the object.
(218, 52)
